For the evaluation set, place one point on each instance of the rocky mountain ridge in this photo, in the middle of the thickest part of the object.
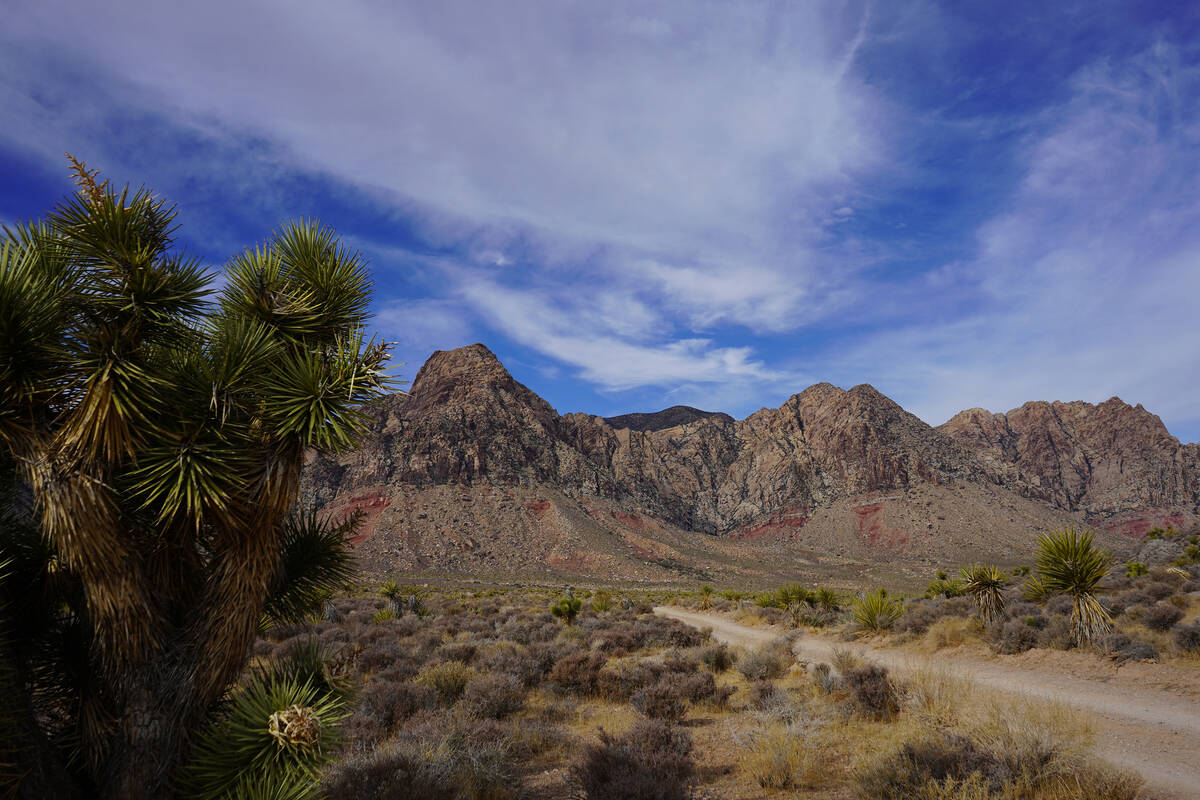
(849, 468)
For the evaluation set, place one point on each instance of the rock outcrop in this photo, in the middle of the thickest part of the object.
(1113, 463)
(832, 473)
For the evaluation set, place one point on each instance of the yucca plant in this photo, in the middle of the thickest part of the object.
(827, 599)
(601, 601)
(875, 611)
(706, 593)
(986, 585)
(1068, 563)
(159, 433)
(1034, 590)
(273, 735)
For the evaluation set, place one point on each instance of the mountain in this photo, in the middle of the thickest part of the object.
(1112, 463)
(472, 473)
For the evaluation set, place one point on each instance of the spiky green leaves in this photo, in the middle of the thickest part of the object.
(875, 611)
(315, 561)
(1068, 563)
(274, 735)
(985, 584)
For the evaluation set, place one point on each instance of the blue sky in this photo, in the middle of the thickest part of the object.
(642, 204)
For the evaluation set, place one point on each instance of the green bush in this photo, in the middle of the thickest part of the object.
(449, 679)
(1135, 569)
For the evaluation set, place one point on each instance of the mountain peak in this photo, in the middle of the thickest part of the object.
(667, 418)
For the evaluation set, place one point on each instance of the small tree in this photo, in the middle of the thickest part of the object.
(160, 437)
(986, 585)
(567, 609)
(1067, 563)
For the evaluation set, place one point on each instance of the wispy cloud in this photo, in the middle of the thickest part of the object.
(687, 202)
(1085, 286)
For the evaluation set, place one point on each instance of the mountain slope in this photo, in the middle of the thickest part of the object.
(473, 473)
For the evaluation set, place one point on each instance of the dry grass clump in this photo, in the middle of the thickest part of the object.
(652, 761)
(434, 759)
(448, 678)
(994, 752)
(493, 696)
(717, 657)
(778, 758)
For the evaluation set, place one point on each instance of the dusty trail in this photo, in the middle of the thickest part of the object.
(1154, 732)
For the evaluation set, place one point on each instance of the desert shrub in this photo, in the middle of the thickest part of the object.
(717, 657)
(875, 611)
(844, 659)
(702, 688)
(1056, 633)
(388, 703)
(1122, 647)
(1131, 597)
(661, 700)
(493, 696)
(577, 672)
(651, 762)
(919, 615)
(776, 759)
(937, 758)
(1187, 637)
(949, 632)
(1161, 616)
(619, 682)
(1022, 609)
(872, 691)
(1159, 590)
(823, 678)
(1060, 604)
(463, 652)
(761, 693)
(510, 658)
(448, 678)
(769, 661)
(1014, 636)
(679, 662)
(397, 771)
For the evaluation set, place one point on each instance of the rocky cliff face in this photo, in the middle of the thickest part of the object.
(847, 467)
(1113, 463)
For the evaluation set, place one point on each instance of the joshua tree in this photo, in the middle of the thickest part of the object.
(153, 443)
(567, 608)
(986, 585)
(1067, 563)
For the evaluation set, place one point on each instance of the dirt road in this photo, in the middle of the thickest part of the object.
(1154, 732)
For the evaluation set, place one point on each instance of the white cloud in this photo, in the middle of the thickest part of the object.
(692, 155)
(1086, 285)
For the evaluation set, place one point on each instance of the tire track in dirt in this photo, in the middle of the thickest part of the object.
(1154, 732)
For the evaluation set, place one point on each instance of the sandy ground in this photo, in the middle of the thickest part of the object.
(1148, 729)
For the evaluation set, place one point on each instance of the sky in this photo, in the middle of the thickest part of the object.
(638, 205)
